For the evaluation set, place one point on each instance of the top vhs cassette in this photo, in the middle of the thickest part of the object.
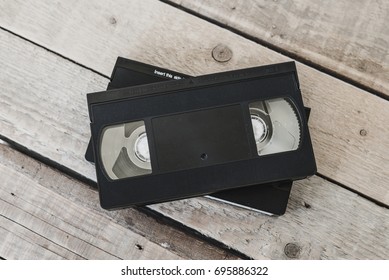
(178, 139)
(269, 198)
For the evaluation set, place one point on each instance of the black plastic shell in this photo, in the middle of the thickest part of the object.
(200, 93)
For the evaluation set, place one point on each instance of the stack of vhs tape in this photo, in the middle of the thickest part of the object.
(240, 137)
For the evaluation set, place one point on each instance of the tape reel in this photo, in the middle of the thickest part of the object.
(125, 150)
(276, 126)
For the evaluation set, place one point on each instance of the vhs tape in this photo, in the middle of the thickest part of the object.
(248, 120)
(270, 198)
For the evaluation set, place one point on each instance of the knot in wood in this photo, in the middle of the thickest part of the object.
(221, 53)
(112, 21)
(292, 250)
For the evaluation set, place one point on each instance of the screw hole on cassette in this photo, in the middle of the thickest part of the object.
(204, 156)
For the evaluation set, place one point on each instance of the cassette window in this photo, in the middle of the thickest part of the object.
(276, 126)
(125, 150)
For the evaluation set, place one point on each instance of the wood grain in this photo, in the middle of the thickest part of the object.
(41, 217)
(339, 111)
(21, 241)
(350, 38)
(318, 219)
(323, 220)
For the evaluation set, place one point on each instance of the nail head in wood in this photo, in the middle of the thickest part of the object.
(292, 250)
(307, 205)
(363, 132)
(221, 53)
(112, 21)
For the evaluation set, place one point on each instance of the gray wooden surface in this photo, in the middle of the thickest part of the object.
(350, 38)
(53, 54)
(125, 234)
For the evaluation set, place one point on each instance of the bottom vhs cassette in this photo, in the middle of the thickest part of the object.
(237, 122)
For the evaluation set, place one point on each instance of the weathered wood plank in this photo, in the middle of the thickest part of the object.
(317, 220)
(31, 212)
(323, 221)
(325, 230)
(350, 38)
(171, 239)
(340, 112)
(21, 243)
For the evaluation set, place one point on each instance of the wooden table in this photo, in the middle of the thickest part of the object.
(54, 52)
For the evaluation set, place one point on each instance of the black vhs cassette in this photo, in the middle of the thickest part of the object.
(270, 198)
(196, 136)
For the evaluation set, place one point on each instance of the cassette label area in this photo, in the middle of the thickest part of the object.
(200, 138)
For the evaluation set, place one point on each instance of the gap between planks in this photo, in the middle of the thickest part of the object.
(351, 46)
(36, 236)
(53, 52)
(39, 216)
